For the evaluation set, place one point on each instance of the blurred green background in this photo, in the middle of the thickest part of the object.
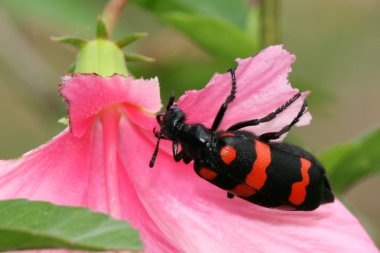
(337, 44)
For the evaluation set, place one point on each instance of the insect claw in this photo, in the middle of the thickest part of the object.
(156, 133)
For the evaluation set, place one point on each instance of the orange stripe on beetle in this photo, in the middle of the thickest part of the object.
(226, 134)
(207, 173)
(228, 154)
(258, 175)
(298, 193)
(243, 190)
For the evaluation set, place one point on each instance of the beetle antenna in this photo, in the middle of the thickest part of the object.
(171, 101)
(154, 156)
(159, 134)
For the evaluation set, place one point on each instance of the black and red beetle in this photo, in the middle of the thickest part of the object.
(269, 174)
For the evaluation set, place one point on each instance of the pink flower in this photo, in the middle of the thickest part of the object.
(102, 163)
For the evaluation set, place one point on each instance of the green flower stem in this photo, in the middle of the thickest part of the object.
(254, 25)
(270, 25)
(102, 57)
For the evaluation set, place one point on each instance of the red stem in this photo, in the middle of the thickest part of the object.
(111, 14)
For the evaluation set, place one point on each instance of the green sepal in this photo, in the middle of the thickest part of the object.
(101, 29)
(137, 58)
(64, 121)
(71, 69)
(73, 41)
(128, 39)
(102, 57)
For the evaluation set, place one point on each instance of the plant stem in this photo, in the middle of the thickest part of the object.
(111, 14)
(270, 26)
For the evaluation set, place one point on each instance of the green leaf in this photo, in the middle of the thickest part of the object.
(218, 37)
(232, 11)
(348, 163)
(41, 225)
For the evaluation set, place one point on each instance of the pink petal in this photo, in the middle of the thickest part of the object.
(97, 92)
(72, 171)
(85, 169)
(262, 87)
(103, 164)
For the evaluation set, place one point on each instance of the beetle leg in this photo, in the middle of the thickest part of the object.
(177, 155)
(269, 117)
(276, 135)
(223, 108)
(230, 195)
(186, 159)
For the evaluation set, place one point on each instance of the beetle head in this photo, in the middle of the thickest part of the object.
(170, 122)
